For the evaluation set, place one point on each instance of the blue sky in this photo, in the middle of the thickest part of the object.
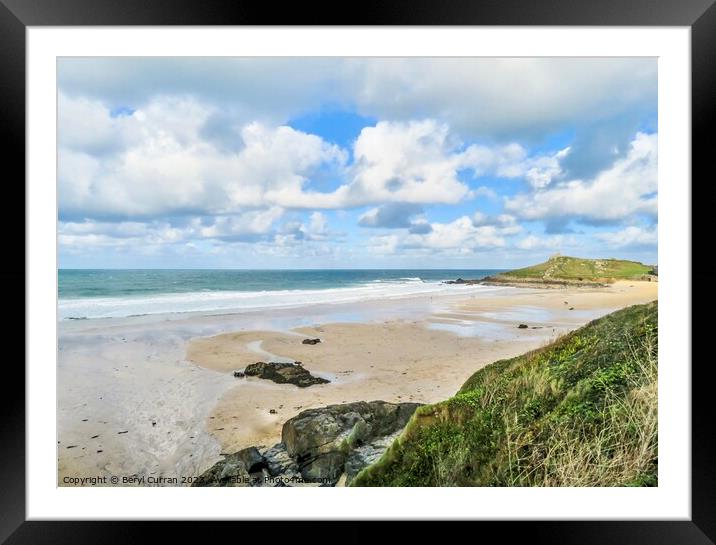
(331, 162)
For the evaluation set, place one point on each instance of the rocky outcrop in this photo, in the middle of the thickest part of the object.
(284, 373)
(462, 281)
(280, 463)
(322, 441)
(311, 341)
(231, 471)
(252, 459)
(529, 282)
(319, 447)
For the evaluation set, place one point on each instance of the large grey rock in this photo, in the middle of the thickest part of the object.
(283, 373)
(252, 459)
(318, 447)
(326, 468)
(279, 462)
(322, 440)
(230, 471)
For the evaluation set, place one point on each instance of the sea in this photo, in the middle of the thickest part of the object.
(104, 293)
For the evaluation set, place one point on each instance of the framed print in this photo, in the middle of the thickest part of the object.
(438, 261)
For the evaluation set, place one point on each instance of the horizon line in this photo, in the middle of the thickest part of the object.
(277, 269)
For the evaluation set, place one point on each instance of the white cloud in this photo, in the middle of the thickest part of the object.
(627, 187)
(251, 226)
(248, 225)
(480, 218)
(411, 162)
(84, 125)
(318, 224)
(315, 230)
(458, 236)
(483, 191)
(631, 236)
(419, 162)
(533, 242)
(241, 227)
(505, 221)
(166, 167)
(460, 233)
(512, 161)
(542, 170)
(390, 216)
(128, 234)
(76, 173)
(384, 244)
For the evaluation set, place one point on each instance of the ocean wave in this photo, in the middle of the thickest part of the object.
(405, 280)
(238, 301)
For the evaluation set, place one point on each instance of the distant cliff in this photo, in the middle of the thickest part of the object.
(568, 271)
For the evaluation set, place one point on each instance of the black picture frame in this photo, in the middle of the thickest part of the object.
(17, 15)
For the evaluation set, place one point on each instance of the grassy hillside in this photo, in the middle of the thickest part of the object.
(581, 411)
(575, 269)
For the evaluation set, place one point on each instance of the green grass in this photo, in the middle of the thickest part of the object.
(575, 268)
(581, 411)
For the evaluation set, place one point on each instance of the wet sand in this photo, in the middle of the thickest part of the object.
(129, 405)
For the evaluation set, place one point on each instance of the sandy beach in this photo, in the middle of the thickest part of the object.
(155, 397)
(402, 360)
